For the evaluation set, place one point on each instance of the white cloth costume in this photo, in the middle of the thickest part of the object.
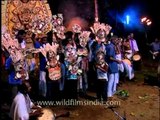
(21, 107)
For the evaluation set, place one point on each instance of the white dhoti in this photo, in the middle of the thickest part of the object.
(120, 66)
(112, 84)
(42, 84)
(128, 54)
(129, 70)
(83, 83)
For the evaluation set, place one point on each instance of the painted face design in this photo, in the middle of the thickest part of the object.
(74, 69)
(52, 60)
(70, 52)
(57, 26)
(20, 69)
(82, 41)
(100, 58)
(51, 54)
(15, 53)
(54, 68)
(83, 38)
(101, 34)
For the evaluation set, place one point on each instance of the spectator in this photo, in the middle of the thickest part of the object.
(113, 73)
(22, 107)
(155, 48)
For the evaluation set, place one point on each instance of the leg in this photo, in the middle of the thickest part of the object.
(98, 89)
(116, 78)
(42, 84)
(110, 85)
(104, 91)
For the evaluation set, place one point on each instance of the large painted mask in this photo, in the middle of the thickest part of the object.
(83, 38)
(70, 53)
(16, 53)
(21, 70)
(101, 30)
(57, 26)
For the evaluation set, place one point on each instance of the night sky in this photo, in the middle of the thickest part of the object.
(108, 12)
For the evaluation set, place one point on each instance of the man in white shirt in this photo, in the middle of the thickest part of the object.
(135, 50)
(155, 49)
(133, 44)
(22, 107)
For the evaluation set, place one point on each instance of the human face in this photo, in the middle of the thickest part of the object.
(28, 87)
(101, 34)
(44, 40)
(70, 53)
(21, 37)
(132, 35)
(100, 57)
(83, 42)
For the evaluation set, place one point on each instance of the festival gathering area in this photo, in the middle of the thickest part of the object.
(58, 67)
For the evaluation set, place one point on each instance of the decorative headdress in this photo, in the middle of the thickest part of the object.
(100, 26)
(70, 52)
(11, 45)
(40, 25)
(100, 57)
(16, 54)
(57, 26)
(49, 48)
(84, 35)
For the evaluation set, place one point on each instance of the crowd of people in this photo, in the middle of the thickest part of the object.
(68, 67)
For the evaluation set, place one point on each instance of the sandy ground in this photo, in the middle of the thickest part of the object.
(142, 104)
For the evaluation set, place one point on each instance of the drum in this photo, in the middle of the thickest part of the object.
(136, 57)
(47, 114)
(136, 62)
(127, 61)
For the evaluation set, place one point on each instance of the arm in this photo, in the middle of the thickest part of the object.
(36, 110)
(111, 54)
(8, 65)
(104, 68)
(113, 59)
(135, 46)
(22, 112)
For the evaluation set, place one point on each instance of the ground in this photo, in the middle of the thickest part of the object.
(142, 103)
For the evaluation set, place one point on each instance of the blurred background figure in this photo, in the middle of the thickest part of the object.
(155, 49)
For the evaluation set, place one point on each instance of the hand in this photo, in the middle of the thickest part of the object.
(136, 52)
(97, 66)
(119, 61)
(37, 112)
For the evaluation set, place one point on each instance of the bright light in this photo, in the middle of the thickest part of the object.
(143, 19)
(130, 17)
(111, 33)
(149, 23)
(127, 19)
(146, 21)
